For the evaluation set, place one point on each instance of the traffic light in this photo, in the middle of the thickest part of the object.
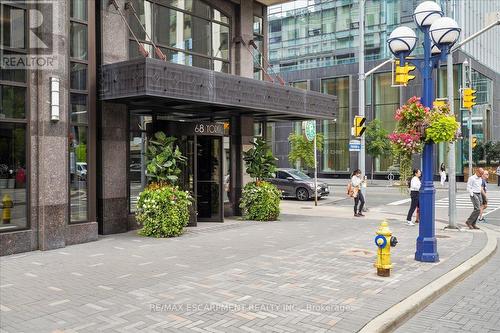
(469, 95)
(359, 126)
(474, 141)
(403, 73)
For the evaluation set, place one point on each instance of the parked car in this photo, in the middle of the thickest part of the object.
(296, 184)
(81, 170)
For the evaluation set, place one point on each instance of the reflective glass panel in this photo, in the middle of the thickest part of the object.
(12, 102)
(218, 16)
(13, 176)
(78, 9)
(78, 104)
(16, 75)
(257, 25)
(78, 173)
(133, 50)
(12, 23)
(220, 41)
(143, 11)
(78, 76)
(196, 7)
(221, 66)
(78, 35)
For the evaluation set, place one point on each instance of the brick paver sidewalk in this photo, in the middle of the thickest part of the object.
(301, 274)
(471, 306)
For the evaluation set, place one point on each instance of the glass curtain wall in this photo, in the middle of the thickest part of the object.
(386, 101)
(14, 173)
(78, 108)
(188, 32)
(337, 132)
(310, 34)
(258, 38)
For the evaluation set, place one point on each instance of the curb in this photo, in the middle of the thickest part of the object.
(396, 315)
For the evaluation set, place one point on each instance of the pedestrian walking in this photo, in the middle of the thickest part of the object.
(484, 196)
(414, 193)
(356, 183)
(498, 175)
(442, 173)
(474, 188)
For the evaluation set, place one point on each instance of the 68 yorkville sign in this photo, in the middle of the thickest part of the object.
(29, 26)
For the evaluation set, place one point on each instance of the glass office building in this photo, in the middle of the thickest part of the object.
(314, 45)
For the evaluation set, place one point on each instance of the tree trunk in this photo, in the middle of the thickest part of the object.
(372, 166)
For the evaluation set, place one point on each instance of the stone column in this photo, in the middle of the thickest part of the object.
(112, 165)
(241, 133)
(244, 33)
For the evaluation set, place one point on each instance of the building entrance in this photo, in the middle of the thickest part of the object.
(202, 175)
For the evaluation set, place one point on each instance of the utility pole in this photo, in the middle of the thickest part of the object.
(361, 89)
(452, 179)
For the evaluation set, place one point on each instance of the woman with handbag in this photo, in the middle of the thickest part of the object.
(356, 183)
(414, 193)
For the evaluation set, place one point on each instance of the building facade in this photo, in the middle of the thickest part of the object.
(314, 46)
(83, 92)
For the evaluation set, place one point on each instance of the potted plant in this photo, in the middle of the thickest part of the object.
(163, 207)
(260, 200)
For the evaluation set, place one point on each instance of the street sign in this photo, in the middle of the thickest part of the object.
(355, 145)
(310, 129)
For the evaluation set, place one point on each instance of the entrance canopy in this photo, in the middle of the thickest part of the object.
(186, 92)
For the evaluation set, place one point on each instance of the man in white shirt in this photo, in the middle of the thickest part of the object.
(474, 188)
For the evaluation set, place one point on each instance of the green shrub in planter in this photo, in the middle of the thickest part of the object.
(260, 201)
(163, 210)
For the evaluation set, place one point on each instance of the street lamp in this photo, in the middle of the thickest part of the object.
(444, 32)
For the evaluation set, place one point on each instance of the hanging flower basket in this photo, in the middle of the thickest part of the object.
(417, 125)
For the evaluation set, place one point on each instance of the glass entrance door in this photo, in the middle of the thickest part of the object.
(209, 178)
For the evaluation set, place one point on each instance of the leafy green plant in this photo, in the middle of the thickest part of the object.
(492, 151)
(163, 210)
(442, 128)
(259, 160)
(302, 150)
(478, 152)
(164, 159)
(260, 201)
(377, 140)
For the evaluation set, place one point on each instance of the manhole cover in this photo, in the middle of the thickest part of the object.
(442, 236)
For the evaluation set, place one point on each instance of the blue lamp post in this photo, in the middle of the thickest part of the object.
(444, 33)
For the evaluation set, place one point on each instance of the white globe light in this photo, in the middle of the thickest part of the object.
(426, 13)
(444, 31)
(435, 49)
(402, 39)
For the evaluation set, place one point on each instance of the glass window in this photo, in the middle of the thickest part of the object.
(337, 132)
(194, 6)
(78, 35)
(12, 27)
(136, 167)
(78, 9)
(257, 25)
(16, 75)
(12, 102)
(78, 76)
(197, 34)
(78, 105)
(300, 85)
(13, 175)
(218, 16)
(220, 41)
(143, 11)
(221, 66)
(133, 50)
(78, 173)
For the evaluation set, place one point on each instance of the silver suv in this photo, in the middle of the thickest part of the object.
(296, 184)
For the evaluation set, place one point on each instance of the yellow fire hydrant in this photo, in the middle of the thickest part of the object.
(384, 241)
(7, 205)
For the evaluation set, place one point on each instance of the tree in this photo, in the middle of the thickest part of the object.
(477, 152)
(491, 151)
(302, 150)
(164, 159)
(259, 160)
(377, 141)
